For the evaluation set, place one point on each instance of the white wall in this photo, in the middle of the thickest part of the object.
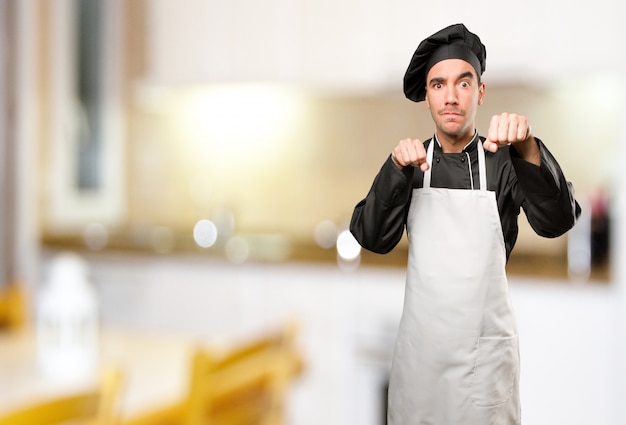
(366, 44)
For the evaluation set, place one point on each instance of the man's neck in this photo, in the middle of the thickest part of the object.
(452, 144)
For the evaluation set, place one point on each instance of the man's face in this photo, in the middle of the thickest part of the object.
(453, 94)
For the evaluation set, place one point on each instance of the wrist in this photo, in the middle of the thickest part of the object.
(529, 150)
(395, 162)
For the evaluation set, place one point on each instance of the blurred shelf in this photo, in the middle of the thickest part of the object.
(274, 249)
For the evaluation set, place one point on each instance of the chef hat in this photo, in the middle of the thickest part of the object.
(453, 42)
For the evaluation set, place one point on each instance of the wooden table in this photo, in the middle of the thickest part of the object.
(154, 366)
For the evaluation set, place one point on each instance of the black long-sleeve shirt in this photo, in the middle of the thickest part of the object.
(379, 220)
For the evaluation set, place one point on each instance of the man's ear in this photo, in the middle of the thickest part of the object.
(481, 93)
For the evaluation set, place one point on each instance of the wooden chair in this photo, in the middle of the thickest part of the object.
(92, 407)
(13, 310)
(245, 386)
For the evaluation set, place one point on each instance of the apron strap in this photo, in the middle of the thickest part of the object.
(482, 169)
(429, 160)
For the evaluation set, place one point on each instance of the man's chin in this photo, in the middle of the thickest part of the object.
(452, 128)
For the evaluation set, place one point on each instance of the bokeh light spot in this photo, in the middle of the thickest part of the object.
(237, 250)
(205, 233)
(347, 246)
(325, 234)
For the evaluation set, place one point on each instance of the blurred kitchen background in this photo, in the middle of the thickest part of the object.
(195, 163)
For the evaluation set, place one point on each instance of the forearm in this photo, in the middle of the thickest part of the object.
(549, 200)
(552, 216)
(378, 220)
(377, 228)
(528, 150)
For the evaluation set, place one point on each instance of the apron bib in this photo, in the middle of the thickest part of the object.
(456, 358)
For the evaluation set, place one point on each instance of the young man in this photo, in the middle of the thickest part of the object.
(456, 357)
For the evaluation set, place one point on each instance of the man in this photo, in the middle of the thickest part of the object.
(456, 357)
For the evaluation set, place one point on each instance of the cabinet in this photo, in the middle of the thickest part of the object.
(367, 43)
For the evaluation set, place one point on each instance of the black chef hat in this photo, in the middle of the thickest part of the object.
(453, 42)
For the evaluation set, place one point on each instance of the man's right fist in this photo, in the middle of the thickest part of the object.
(410, 152)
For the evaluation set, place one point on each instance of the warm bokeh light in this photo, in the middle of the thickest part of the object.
(325, 234)
(237, 250)
(205, 233)
(239, 121)
(347, 246)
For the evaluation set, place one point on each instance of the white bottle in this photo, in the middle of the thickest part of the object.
(67, 321)
(579, 246)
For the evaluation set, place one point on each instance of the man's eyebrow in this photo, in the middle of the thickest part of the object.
(439, 80)
(436, 80)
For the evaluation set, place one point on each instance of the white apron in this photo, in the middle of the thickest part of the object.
(456, 358)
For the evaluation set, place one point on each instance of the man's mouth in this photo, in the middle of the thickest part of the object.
(451, 115)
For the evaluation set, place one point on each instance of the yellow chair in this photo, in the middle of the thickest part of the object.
(91, 407)
(245, 386)
(13, 310)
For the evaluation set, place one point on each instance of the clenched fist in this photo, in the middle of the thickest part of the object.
(512, 129)
(506, 128)
(410, 152)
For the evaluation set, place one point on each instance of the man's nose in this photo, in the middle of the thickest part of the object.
(451, 95)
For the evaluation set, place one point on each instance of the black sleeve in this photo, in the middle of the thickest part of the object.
(378, 221)
(548, 198)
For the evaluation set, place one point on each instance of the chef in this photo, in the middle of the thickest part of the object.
(459, 194)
